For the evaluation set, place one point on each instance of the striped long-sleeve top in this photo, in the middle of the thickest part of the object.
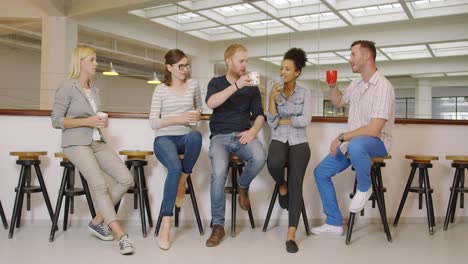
(166, 103)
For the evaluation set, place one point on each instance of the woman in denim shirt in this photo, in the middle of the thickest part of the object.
(289, 114)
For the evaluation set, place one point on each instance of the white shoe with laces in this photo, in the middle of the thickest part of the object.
(126, 245)
(327, 230)
(360, 200)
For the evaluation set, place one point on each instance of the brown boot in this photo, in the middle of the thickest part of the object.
(244, 201)
(217, 235)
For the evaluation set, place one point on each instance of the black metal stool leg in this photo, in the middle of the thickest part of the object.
(306, 220)
(431, 205)
(135, 194)
(141, 199)
(378, 190)
(457, 188)
(462, 194)
(195, 205)
(146, 199)
(66, 212)
(26, 171)
(176, 216)
(158, 223)
(19, 192)
(405, 195)
(350, 228)
(20, 210)
(71, 180)
(2, 214)
(88, 196)
(251, 218)
(233, 201)
(381, 189)
(270, 208)
(117, 206)
(428, 205)
(28, 195)
(421, 183)
(452, 201)
(59, 204)
(44, 191)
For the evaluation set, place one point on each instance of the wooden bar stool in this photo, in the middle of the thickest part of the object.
(377, 195)
(188, 190)
(272, 204)
(27, 159)
(460, 163)
(68, 190)
(137, 160)
(423, 163)
(2, 214)
(236, 165)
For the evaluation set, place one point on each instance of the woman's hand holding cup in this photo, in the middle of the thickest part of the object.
(191, 117)
(99, 120)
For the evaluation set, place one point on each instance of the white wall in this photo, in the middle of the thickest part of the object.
(35, 133)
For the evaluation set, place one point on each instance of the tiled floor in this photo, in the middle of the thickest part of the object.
(411, 244)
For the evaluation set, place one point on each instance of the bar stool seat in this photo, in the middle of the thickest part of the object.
(236, 165)
(460, 163)
(188, 190)
(272, 204)
(137, 160)
(423, 163)
(377, 195)
(69, 191)
(27, 159)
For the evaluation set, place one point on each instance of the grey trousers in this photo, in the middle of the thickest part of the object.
(108, 178)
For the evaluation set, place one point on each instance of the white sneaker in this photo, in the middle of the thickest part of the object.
(126, 245)
(327, 230)
(360, 200)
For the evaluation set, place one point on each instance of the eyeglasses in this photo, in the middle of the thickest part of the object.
(182, 66)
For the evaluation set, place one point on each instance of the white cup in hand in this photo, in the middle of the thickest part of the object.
(255, 78)
(279, 81)
(103, 116)
(193, 112)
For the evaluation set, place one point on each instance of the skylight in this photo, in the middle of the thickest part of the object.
(450, 49)
(407, 52)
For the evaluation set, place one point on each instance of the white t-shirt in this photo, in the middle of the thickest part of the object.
(89, 96)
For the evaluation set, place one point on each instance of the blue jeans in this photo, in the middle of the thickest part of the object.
(167, 150)
(360, 150)
(221, 148)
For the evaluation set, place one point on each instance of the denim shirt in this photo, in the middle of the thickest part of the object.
(299, 109)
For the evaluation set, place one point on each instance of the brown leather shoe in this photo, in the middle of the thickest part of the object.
(217, 235)
(244, 201)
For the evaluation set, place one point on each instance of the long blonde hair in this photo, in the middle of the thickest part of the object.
(80, 52)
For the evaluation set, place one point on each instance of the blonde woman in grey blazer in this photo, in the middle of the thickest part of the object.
(74, 111)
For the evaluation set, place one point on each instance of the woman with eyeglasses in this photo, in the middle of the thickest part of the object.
(175, 110)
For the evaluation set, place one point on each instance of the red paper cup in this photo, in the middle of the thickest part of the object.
(332, 75)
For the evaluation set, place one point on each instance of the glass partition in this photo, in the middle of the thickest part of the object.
(427, 67)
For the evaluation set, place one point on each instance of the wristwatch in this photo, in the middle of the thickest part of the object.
(341, 137)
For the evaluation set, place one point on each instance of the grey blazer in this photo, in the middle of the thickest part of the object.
(70, 102)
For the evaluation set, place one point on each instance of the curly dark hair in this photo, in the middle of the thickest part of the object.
(298, 56)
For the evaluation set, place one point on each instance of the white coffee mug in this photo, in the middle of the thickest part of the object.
(278, 80)
(255, 77)
(102, 115)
